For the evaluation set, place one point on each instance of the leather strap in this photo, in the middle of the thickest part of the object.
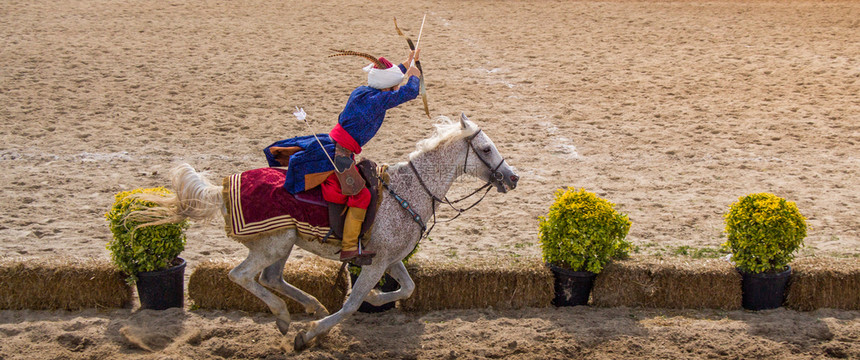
(347, 174)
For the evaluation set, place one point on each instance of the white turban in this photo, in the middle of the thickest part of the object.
(383, 78)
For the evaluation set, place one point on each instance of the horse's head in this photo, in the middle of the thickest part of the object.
(483, 156)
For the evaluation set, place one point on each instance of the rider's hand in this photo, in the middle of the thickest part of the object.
(413, 71)
(412, 55)
(408, 59)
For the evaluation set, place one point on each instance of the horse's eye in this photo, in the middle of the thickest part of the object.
(487, 150)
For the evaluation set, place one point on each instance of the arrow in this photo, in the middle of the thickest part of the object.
(423, 85)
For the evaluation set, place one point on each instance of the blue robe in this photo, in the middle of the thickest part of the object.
(361, 118)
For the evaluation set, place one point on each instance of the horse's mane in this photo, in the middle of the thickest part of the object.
(446, 130)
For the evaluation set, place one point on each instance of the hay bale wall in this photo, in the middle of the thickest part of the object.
(210, 288)
(824, 283)
(504, 284)
(676, 283)
(61, 283)
(73, 284)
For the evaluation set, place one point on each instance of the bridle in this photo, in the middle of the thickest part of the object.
(496, 178)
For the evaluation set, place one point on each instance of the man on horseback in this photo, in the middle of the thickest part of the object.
(309, 159)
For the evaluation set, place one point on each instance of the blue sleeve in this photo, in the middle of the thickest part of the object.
(402, 68)
(390, 99)
(304, 142)
(268, 152)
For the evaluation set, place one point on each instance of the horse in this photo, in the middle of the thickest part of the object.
(454, 149)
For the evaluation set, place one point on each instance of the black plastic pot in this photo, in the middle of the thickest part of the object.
(764, 291)
(164, 289)
(572, 288)
(389, 285)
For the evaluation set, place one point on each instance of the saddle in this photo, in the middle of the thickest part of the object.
(337, 212)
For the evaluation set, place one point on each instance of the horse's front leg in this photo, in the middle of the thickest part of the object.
(273, 277)
(368, 278)
(399, 273)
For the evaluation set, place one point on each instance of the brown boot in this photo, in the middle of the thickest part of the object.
(351, 230)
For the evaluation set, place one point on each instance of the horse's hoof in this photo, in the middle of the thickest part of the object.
(300, 343)
(318, 312)
(283, 326)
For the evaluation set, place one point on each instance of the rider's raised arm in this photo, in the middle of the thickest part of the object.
(390, 99)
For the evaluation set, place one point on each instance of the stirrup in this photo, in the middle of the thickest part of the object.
(358, 257)
(362, 260)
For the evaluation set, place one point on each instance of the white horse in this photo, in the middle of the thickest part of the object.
(455, 148)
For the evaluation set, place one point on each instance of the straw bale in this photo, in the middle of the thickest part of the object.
(824, 283)
(209, 287)
(61, 283)
(677, 283)
(497, 283)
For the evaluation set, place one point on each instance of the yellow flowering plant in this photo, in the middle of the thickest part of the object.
(139, 249)
(583, 232)
(763, 232)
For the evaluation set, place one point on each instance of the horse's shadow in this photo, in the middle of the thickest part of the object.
(801, 329)
(148, 330)
(493, 333)
(391, 334)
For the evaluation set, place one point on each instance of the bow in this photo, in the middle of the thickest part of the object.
(423, 86)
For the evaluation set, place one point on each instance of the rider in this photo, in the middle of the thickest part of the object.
(361, 118)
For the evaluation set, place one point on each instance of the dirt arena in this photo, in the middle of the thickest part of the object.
(671, 110)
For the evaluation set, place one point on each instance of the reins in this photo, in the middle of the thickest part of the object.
(425, 232)
(434, 199)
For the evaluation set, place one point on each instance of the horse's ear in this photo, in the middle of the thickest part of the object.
(463, 120)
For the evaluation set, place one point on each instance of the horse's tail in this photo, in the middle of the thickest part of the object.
(194, 198)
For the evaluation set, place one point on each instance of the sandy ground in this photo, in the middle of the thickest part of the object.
(564, 333)
(671, 110)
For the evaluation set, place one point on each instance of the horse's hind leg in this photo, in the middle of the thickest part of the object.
(399, 273)
(273, 277)
(261, 254)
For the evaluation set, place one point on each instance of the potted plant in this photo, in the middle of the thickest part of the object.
(763, 232)
(385, 284)
(148, 253)
(578, 237)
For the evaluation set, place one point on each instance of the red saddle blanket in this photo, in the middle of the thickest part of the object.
(258, 205)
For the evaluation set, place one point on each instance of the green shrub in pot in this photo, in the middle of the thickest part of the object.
(583, 232)
(763, 232)
(135, 249)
